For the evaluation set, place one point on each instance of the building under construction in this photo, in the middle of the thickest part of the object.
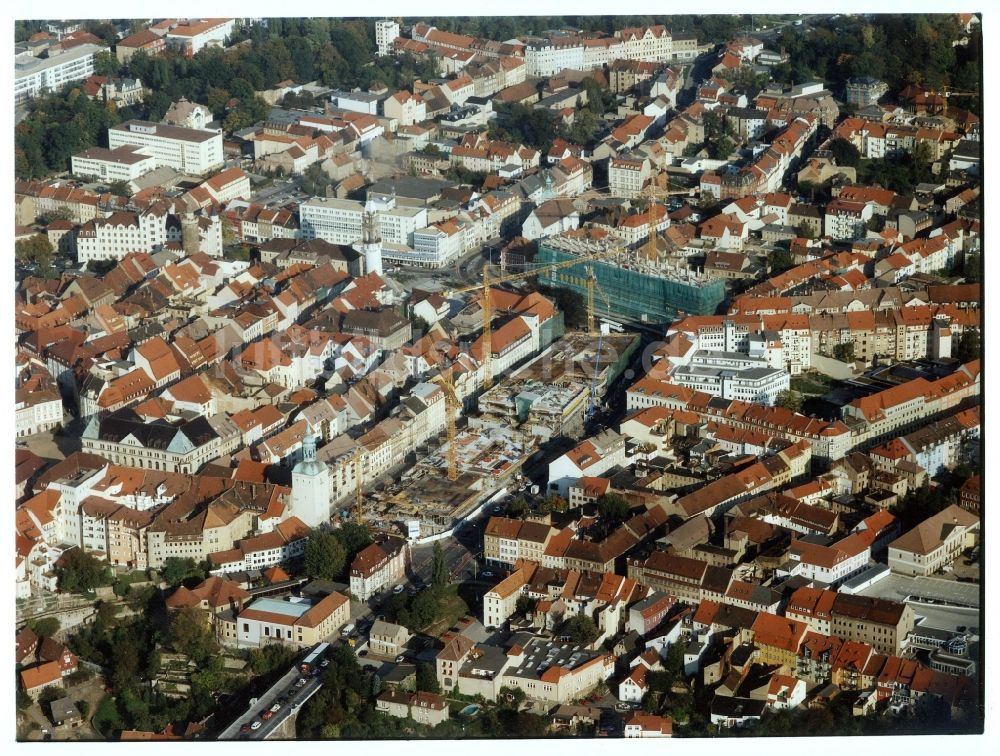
(551, 394)
(631, 287)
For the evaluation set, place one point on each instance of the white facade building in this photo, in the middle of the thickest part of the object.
(340, 221)
(311, 487)
(126, 163)
(385, 32)
(32, 75)
(185, 150)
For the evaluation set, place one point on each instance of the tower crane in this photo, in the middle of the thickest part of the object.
(654, 192)
(452, 403)
(486, 301)
(359, 514)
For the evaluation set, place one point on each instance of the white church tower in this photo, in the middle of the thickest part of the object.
(311, 487)
(371, 242)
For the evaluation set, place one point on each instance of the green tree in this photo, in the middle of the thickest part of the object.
(191, 634)
(844, 352)
(439, 569)
(353, 537)
(968, 347)
(120, 188)
(788, 399)
(845, 153)
(79, 572)
(45, 627)
(518, 507)
(779, 260)
(612, 507)
(555, 503)
(107, 720)
(125, 668)
(325, 556)
(35, 249)
(51, 694)
(176, 570)
(427, 678)
(83, 707)
(525, 605)
(581, 630)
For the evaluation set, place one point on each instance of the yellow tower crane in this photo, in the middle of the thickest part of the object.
(359, 514)
(592, 286)
(486, 301)
(655, 191)
(452, 403)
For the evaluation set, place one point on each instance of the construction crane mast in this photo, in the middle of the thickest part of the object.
(452, 403)
(359, 514)
(486, 301)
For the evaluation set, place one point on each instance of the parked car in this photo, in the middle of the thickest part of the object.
(401, 658)
(275, 707)
(256, 725)
(398, 589)
(325, 663)
(267, 715)
(363, 652)
(245, 728)
(486, 574)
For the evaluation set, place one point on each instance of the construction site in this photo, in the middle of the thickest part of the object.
(553, 394)
(487, 460)
(635, 287)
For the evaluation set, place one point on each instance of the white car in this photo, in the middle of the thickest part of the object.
(398, 589)
(256, 725)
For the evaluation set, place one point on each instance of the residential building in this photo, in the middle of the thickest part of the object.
(378, 567)
(934, 544)
(35, 75)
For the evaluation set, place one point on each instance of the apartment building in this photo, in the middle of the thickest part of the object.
(626, 177)
(378, 567)
(36, 75)
(882, 624)
(935, 543)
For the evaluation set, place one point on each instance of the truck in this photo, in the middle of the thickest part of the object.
(313, 659)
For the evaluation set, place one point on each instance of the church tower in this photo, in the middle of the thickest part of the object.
(371, 243)
(311, 487)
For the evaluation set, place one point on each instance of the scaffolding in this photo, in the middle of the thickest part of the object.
(636, 289)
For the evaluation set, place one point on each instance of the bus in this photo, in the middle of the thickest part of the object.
(313, 659)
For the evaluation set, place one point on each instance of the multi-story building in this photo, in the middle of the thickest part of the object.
(187, 150)
(192, 36)
(149, 42)
(732, 376)
(548, 57)
(935, 543)
(124, 438)
(340, 221)
(882, 624)
(847, 220)
(126, 163)
(626, 177)
(386, 31)
(863, 91)
(33, 76)
(378, 566)
(294, 621)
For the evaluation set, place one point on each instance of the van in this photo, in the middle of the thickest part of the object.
(348, 629)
